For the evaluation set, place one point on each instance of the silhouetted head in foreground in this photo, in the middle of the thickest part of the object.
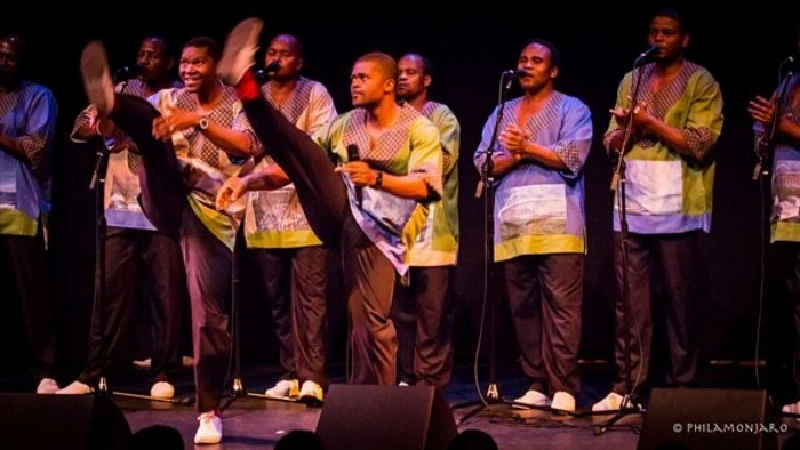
(473, 440)
(299, 440)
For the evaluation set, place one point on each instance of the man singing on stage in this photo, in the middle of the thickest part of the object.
(374, 207)
(27, 134)
(293, 261)
(130, 237)
(785, 218)
(669, 176)
(190, 144)
(540, 233)
(422, 310)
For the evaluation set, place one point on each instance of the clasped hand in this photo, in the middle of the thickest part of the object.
(513, 139)
(641, 116)
(361, 174)
(177, 120)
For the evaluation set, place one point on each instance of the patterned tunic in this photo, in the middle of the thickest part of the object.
(412, 146)
(122, 187)
(275, 219)
(785, 218)
(666, 192)
(539, 210)
(205, 165)
(28, 115)
(437, 243)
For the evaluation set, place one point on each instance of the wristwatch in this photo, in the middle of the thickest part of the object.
(203, 124)
(378, 180)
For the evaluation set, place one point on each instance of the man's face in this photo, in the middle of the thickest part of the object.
(368, 84)
(412, 78)
(666, 34)
(9, 60)
(535, 60)
(153, 61)
(197, 69)
(284, 51)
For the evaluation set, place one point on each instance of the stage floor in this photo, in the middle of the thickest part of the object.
(257, 423)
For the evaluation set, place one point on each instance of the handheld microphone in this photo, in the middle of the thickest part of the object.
(515, 74)
(352, 155)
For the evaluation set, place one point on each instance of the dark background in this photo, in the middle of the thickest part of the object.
(469, 47)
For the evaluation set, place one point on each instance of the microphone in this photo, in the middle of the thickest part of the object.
(515, 74)
(352, 155)
(125, 73)
(647, 54)
(270, 69)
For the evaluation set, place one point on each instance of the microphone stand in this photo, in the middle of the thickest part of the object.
(97, 184)
(494, 394)
(237, 387)
(761, 173)
(618, 187)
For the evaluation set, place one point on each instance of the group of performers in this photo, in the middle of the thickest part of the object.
(195, 162)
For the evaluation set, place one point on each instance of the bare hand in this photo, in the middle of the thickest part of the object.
(177, 120)
(513, 138)
(360, 173)
(231, 191)
(641, 116)
(761, 110)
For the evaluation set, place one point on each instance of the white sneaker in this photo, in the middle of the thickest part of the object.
(47, 386)
(76, 388)
(240, 49)
(187, 361)
(792, 408)
(612, 402)
(97, 77)
(311, 392)
(532, 398)
(563, 401)
(403, 384)
(162, 389)
(143, 363)
(210, 429)
(284, 389)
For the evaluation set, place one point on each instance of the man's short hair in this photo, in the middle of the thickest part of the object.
(211, 46)
(386, 62)
(555, 55)
(675, 14)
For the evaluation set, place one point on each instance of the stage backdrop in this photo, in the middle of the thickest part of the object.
(469, 49)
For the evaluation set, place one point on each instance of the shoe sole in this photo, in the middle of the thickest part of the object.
(243, 35)
(96, 78)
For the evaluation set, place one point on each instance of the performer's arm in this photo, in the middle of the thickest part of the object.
(502, 160)
(615, 134)
(450, 133)
(266, 179)
(698, 137)
(33, 146)
(568, 154)
(424, 179)
(238, 140)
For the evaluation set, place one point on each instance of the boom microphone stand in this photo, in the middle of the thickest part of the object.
(97, 184)
(618, 187)
(493, 393)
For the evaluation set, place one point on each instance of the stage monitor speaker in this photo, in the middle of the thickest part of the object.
(691, 419)
(385, 418)
(30, 421)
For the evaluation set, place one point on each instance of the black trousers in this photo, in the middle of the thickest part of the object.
(296, 282)
(545, 294)
(423, 313)
(23, 261)
(369, 275)
(207, 260)
(676, 257)
(130, 256)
